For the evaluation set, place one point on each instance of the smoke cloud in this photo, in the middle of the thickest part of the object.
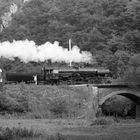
(28, 51)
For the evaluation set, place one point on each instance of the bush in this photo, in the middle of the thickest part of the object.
(42, 101)
(59, 107)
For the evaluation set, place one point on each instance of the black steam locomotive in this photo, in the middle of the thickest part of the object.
(59, 76)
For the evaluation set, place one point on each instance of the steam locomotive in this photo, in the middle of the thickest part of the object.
(59, 76)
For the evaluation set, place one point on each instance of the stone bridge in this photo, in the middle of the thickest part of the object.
(106, 91)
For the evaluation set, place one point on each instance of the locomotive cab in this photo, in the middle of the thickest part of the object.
(49, 71)
(50, 76)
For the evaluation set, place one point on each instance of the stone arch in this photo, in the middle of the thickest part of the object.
(134, 96)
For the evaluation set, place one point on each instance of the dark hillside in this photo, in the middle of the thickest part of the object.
(108, 29)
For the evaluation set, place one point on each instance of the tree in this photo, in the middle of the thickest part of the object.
(132, 75)
(108, 29)
(118, 63)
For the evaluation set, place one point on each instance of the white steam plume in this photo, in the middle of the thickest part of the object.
(28, 51)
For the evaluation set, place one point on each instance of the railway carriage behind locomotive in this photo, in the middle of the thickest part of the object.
(58, 76)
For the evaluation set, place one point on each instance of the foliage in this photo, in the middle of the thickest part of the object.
(31, 101)
(59, 107)
(132, 74)
(118, 63)
(110, 30)
(19, 104)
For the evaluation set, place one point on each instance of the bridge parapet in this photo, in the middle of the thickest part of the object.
(108, 90)
(129, 85)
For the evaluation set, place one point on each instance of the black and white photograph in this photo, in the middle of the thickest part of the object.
(69, 69)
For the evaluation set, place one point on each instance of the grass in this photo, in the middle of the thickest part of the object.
(95, 132)
(7, 133)
(103, 121)
(26, 134)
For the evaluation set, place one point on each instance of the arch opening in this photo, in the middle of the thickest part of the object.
(133, 96)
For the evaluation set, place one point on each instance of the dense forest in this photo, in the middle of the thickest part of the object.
(109, 29)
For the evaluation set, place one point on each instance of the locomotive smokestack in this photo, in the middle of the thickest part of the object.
(70, 50)
(1, 81)
(0, 75)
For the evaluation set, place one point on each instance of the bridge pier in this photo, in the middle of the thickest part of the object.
(92, 106)
(137, 111)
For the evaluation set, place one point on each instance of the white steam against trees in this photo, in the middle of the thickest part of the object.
(28, 51)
